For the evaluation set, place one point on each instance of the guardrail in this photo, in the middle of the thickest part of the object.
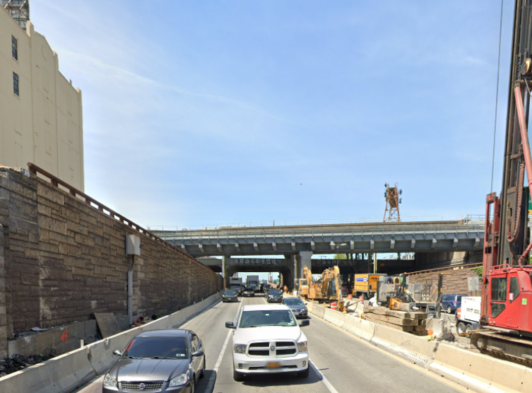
(378, 229)
(82, 197)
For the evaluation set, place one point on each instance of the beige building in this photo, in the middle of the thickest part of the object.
(40, 111)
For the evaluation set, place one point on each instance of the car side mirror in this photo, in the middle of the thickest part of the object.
(304, 323)
(230, 325)
(198, 353)
(116, 352)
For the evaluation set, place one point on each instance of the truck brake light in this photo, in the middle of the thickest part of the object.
(459, 313)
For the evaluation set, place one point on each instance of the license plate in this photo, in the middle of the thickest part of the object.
(273, 365)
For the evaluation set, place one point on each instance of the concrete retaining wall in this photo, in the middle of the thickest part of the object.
(60, 340)
(480, 373)
(69, 371)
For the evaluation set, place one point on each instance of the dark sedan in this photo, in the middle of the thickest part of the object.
(230, 296)
(297, 306)
(275, 296)
(248, 292)
(158, 361)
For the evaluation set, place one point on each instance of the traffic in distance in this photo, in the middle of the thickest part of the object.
(267, 347)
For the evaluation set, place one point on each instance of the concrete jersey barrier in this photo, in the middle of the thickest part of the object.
(334, 317)
(415, 348)
(60, 374)
(67, 372)
(480, 373)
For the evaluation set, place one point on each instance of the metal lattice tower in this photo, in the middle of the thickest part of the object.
(19, 10)
(391, 212)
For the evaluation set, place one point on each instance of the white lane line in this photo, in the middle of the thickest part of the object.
(325, 381)
(212, 379)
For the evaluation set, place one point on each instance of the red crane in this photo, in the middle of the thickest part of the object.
(506, 317)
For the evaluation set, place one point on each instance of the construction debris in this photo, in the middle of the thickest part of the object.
(19, 362)
(411, 322)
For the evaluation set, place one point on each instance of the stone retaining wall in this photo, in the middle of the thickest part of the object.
(65, 260)
(454, 280)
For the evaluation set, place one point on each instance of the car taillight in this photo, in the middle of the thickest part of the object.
(454, 303)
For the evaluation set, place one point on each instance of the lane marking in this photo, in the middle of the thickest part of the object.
(212, 379)
(325, 381)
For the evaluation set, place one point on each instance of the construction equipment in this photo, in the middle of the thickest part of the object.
(400, 298)
(305, 282)
(366, 284)
(327, 287)
(507, 275)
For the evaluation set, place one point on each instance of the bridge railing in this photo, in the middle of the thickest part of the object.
(317, 233)
(289, 223)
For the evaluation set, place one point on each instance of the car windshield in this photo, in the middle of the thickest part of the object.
(168, 347)
(260, 318)
(274, 292)
(293, 302)
(230, 293)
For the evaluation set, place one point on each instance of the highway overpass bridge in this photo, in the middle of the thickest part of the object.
(429, 240)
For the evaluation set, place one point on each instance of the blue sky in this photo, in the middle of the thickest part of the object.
(205, 113)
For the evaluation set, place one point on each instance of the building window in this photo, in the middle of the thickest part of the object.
(14, 47)
(15, 83)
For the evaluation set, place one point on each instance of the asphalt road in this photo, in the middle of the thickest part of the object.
(340, 361)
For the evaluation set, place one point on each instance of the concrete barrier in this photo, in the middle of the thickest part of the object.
(71, 370)
(58, 375)
(359, 327)
(101, 352)
(334, 317)
(481, 372)
(319, 311)
(414, 348)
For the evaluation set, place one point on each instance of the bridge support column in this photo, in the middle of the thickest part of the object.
(225, 275)
(303, 259)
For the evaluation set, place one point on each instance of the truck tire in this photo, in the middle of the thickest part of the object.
(468, 328)
(461, 327)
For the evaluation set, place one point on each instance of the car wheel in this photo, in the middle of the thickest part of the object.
(449, 310)
(238, 377)
(461, 328)
(203, 369)
(304, 374)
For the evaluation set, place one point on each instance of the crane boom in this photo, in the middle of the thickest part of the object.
(507, 274)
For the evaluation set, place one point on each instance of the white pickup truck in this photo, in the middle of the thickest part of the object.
(468, 315)
(268, 339)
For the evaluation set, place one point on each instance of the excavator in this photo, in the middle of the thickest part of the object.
(505, 316)
(327, 287)
(305, 283)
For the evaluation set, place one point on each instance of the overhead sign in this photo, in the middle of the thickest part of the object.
(257, 261)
